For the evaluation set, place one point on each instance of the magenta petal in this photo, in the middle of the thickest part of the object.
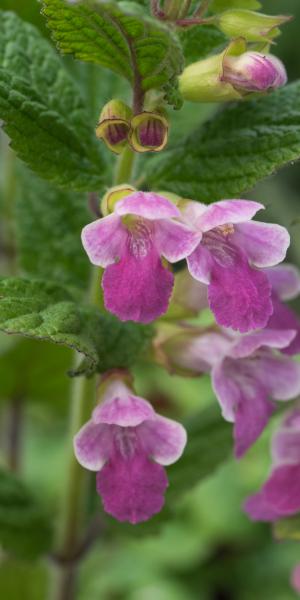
(163, 439)
(285, 281)
(284, 318)
(239, 296)
(243, 399)
(92, 445)
(286, 446)
(173, 240)
(282, 490)
(122, 408)
(265, 244)
(132, 489)
(258, 508)
(148, 205)
(270, 338)
(138, 288)
(227, 211)
(104, 240)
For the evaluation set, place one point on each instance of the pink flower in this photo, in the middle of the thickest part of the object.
(285, 282)
(280, 495)
(129, 244)
(248, 374)
(127, 443)
(254, 72)
(230, 257)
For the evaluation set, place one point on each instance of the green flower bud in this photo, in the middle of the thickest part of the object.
(113, 195)
(114, 125)
(176, 9)
(253, 26)
(148, 132)
(202, 81)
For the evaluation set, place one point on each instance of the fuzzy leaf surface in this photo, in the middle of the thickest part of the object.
(228, 155)
(42, 110)
(45, 311)
(141, 50)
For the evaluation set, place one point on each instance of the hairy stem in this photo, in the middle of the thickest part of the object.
(71, 534)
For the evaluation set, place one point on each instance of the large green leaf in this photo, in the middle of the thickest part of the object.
(231, 153)
(142, 51)
(48, 227)
(45, 311)
(25, 529)
(43, 112)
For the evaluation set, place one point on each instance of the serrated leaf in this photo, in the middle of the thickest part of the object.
(228, 155)
(141, 50)
(45, 311)
(220, 5)
(42, 110)
(25, 529)
(48, 227)
(199, 41)
(287, 529)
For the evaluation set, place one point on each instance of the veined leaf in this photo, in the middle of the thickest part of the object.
(141, 50)
(200, 41)
(42, 110)
(231, 153)
(45, 311)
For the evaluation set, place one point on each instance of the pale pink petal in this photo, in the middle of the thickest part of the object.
(285, 281)
(286, 447)
(243, 399)
(138, 288)
(295, 578)
(200, 264)
(163, 439)
(93, 445)
(248, 344)
(191, 212)
(227, 211)
(239, 296)
(173, 240)
(199, 353)
(148, 205)
(125, 411)
(132, 489)
(258, 509)
(284, 318)
(265, 244)
(280, 375)
(104, 240)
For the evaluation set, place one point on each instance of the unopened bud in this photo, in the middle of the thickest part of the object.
(113, 195)
(114, 125)
(253, 26)
(176, 9)
(254, 72)
(149, 132)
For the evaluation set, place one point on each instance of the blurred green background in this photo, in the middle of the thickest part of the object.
(210, 551)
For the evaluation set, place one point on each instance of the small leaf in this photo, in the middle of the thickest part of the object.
(141, 50)
(287, 529)
(25, 529)
(42, 110)
(228, 155)
(45, 311)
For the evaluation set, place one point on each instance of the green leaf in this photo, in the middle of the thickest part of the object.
(199, 41)
(287, 529)
(45, 311)
(43, 112)
(48, 227)
(231, 153)
(141, 50)
(220, 5)
(25, 529)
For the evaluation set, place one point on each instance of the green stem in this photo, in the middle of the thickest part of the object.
(124, 166)
(83, 393)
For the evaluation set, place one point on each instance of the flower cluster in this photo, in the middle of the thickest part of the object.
(232, 268)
